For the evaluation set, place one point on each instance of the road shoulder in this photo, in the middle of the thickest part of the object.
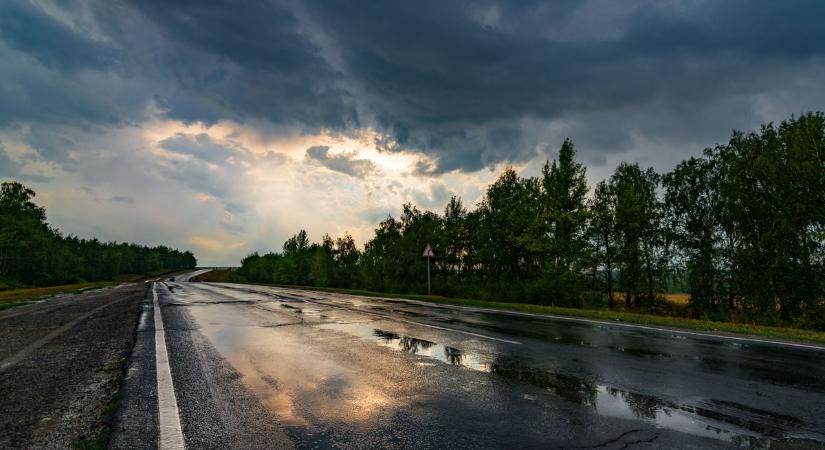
(62, 363)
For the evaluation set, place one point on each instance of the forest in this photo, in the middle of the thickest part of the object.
(32, 253)
(741, 229)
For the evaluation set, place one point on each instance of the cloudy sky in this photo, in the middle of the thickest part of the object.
(224, 129)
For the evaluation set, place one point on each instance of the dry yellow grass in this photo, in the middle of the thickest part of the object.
(677, 298)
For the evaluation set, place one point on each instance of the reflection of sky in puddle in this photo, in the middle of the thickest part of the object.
(604, 400)
(304, 386)
(301, 387)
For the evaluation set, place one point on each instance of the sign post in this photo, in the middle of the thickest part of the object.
(428, 253)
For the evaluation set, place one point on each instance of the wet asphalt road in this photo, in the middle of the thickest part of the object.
(265, 367)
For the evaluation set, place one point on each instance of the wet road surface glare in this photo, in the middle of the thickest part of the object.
(340, 371)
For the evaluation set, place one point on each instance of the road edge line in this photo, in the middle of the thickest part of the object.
(169, 429)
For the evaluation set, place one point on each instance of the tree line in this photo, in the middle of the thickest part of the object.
(32, 253)
(741, 228)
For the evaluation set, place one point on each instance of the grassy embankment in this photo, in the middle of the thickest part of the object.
(19, 297)
(793, 334)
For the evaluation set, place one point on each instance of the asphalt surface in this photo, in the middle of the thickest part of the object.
(60, 361)
(265, 367)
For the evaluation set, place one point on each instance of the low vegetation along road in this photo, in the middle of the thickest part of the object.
(248, 366)
(218, 365)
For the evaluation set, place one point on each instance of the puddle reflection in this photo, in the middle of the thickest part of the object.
(304, 386)
(738, 424)
(413, 345)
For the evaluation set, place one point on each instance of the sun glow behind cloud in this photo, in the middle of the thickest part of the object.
(229, 189)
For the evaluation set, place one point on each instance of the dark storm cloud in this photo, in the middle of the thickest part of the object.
(253, 60)
(195, 61)
(343, 163)
(438, 75)
(470, 84)
(26, 27)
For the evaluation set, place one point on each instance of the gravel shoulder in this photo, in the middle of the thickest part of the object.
(61, 362)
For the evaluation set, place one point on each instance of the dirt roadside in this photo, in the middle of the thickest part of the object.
(60, 366)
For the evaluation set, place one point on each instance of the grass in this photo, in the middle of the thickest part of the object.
(791, 334)
(19, 297)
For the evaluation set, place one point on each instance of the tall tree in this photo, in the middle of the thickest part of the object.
(772, 186)
(693, 202)
(603, 232)
(455, 236)
(561, 224)
(636, 210)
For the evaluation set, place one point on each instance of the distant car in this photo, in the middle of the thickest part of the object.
(171, 278)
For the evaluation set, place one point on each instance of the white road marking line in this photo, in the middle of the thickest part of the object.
(171, 435)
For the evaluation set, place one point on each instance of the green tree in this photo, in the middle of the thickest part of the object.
(603, 233)
(455, 237)
(693, 203)
(561, 224)
(636, 231)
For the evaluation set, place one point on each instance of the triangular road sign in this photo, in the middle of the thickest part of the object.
(428, 252)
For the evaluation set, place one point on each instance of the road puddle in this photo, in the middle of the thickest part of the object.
(293, 372)
(407, 344)
(740, 425)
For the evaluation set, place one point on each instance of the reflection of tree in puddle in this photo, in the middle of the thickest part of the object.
(405, 343)
(387, 336)
(739, 424)
(452, 355)
(642, 406)
(413, 345)
(568, 387)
